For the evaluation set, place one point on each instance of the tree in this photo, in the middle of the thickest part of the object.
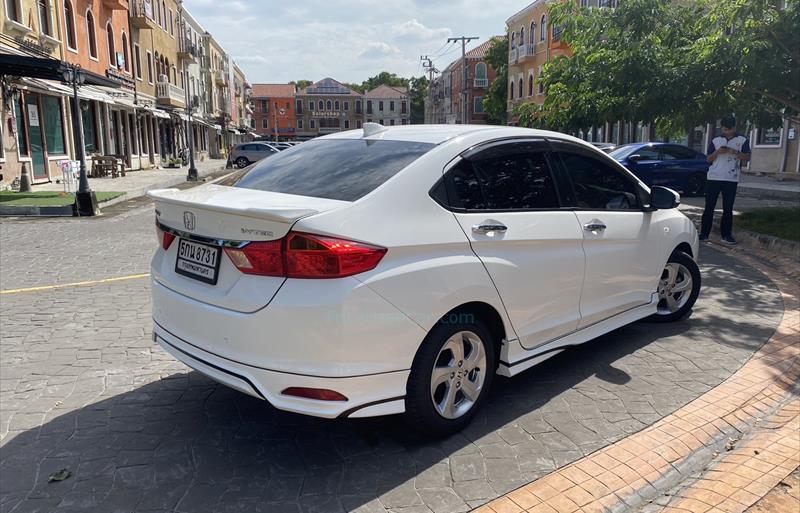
(496, 100)
(675, 64)
(417, 93)
(301, 84)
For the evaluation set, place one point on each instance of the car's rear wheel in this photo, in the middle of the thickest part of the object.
(678, 288)
(242, 162)
(450, 377)
(695, 185)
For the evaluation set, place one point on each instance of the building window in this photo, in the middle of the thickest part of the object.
(137, 60)
(300, 124)
(391, 106)
(543, 28)
(311, 105)
(53, 122)
(358, 124)
(533, 32)
(347, 124)
(265, 123)
(44, 17)
(380, 106)
(530, 85)
(511, 91)
(391, 122)
(125, 64)
(513, 40)
(12, 10)
(522, 36)
(69, 22)
(380, 121)
(369, 106)
(403, 107)
(22, 134)
(111, 50)
(478, 108)
(149, 67)
(320, 105)
(403, 121)
(91, 35)
(769, 136)
(171, 25)
(312, 124)
(336, 105)
(265, 106)
(346, 106)
(328, 105)
(298, 106)
(358, 106)
(519, 90)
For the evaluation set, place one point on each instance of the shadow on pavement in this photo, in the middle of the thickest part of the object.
(186, 444)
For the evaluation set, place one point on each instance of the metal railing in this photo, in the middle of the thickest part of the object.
(481, 82)
(168, 91)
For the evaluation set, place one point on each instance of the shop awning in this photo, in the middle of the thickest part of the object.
(160, 114)
(47, 69)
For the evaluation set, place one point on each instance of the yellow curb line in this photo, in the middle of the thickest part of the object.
(76, 284)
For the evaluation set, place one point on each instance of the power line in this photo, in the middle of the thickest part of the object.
(464, 90)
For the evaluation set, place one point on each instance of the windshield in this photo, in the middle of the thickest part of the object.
(623, 151)
(340, 169)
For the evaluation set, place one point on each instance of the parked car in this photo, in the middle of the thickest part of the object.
(602, 146)
(245, 154)
(398, 270)
(282, 145)
(665, 164)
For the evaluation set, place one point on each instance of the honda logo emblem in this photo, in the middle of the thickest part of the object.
(188, 220)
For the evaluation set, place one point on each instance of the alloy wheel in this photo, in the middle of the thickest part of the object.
(458, 375)
(674, 288)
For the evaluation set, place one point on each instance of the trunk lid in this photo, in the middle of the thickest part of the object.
(217, 216)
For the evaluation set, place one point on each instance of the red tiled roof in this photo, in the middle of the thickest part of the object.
(479, 52)
(273, 90)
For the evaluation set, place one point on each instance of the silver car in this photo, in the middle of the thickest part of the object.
(245, 154)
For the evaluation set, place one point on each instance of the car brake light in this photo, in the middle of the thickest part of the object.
(316, 256)
(164, 238)
(303, 255)
(320, 394)
(261, 258)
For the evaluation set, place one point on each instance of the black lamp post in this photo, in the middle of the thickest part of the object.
(192, 175)
(85, 198)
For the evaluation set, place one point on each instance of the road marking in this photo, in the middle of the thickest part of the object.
(76, 284)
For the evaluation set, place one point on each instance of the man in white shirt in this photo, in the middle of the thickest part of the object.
(725, 154)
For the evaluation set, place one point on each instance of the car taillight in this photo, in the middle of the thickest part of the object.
(317, 256)
(303, 255)
(261, 258)
(164, 238)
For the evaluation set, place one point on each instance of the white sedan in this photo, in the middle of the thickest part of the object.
(398, 269)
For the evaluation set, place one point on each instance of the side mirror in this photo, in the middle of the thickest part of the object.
(635, 158)
(662, 198)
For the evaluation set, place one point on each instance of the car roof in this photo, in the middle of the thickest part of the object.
(437, 134)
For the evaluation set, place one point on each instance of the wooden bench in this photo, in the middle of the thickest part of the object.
(104, 165)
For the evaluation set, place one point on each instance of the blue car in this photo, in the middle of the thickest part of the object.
(666, 164)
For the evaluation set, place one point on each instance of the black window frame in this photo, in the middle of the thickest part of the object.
(564, 178)
(442, 190)
(695, 154)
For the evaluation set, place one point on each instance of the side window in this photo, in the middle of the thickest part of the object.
(598, 185)
(648, 153)
(677, 153)
(505, 177)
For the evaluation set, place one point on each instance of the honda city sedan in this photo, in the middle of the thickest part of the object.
(669, 165)
(392, 270)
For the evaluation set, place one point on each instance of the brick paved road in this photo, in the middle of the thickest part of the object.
(83, 387)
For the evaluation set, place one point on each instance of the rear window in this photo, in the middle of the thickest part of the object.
(340, 169)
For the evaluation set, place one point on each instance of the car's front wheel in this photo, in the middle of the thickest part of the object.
(678, 288)
(242, 162)
(450, 377)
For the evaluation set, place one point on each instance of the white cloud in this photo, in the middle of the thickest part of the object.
(379, 49)
(414, 30)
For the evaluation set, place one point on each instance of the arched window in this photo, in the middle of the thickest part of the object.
(112, 54)
(125, 52)
(44, 17)
(336, 105)
(522, 36)
(533, 32)
(329, 105)
(521, 85)
(69, 21)
(511, 91)
(91, 35)
(480, 70)
(543, 28)
(513, 40)
(530, 84)
(320, 105)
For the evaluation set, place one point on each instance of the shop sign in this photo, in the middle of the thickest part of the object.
(33, 46)
(33, 115)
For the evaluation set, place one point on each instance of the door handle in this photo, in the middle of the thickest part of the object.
(594, 226)
(489, 227)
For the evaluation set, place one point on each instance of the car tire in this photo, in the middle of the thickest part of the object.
(695, 185)
(242, 162)
(437, 401)
(678, 288)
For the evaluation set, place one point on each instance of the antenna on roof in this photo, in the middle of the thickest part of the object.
(373, 128)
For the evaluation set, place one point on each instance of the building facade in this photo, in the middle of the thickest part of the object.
(217, 101)
(326, 107)
(190, 53)
(387, 105)
(275, 111)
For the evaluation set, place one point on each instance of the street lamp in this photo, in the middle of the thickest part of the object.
(85, 198)
(192, 175)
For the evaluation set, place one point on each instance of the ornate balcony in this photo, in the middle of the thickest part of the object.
(188, 51)
(220, 77)
(170, 94)
(141, 15)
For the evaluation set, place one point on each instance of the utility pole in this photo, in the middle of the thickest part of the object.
(428, 65)
(464, 89)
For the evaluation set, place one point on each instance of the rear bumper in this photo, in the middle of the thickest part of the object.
(371, 395)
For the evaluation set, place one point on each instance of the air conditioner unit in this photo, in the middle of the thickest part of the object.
(163, 78)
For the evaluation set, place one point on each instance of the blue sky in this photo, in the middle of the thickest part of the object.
(349, 40)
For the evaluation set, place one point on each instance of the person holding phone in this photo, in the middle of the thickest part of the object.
(725, 154)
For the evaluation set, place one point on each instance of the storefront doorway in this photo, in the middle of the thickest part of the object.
(36, 138)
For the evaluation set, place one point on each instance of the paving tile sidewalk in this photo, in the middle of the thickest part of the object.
(689, 461)
(136, 183)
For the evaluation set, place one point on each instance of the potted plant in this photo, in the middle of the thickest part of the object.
(174, 163)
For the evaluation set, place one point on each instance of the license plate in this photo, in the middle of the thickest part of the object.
(198, 261)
